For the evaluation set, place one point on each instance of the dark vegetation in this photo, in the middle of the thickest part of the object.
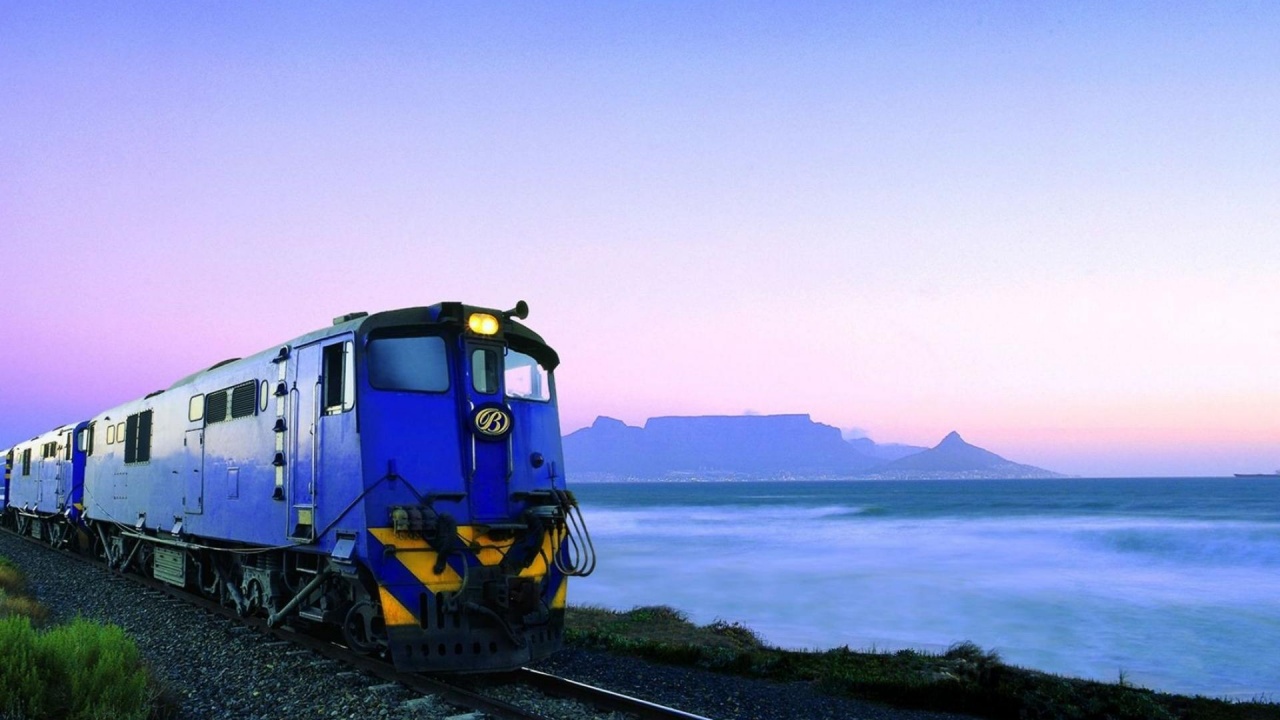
(78, 671)
(964, 679)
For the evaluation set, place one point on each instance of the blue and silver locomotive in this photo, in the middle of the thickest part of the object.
(396, 477)
(44, 484)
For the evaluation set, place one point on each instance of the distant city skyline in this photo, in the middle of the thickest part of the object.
(1051, 228)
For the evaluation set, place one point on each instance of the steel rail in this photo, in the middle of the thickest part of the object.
(600, 697)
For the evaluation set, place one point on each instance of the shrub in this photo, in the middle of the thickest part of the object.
(739, 635)
(971, 664)
(103, 670)
(658, 614)
(22, 686)
(79, 671)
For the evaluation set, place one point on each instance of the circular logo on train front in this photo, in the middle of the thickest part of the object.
(491, 422)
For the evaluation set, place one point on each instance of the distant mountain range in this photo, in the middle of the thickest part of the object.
(708, 447)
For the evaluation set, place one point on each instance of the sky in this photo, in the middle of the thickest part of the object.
(1052, 227)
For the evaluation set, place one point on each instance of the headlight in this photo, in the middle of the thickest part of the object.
(483, 324)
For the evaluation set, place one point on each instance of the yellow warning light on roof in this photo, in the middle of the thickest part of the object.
(483, 324)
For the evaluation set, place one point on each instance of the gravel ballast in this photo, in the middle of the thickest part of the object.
(217, 669)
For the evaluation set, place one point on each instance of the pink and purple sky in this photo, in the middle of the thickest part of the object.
(1053, 227)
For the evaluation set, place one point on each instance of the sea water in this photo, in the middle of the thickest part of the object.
(1174, 583)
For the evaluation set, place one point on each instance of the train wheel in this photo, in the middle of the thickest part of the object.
(360, 629)
(253, 598)
(97, 547)
(57, 534)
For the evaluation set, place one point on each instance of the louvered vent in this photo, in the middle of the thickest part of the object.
(244, 399)
(215, 407)
(143, 453)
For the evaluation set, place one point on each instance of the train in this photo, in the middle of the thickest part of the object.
(394, 479)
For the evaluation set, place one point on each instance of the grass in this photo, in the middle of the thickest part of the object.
(11, 579)
(23, 606)
(13, 595)
(78, 671)
(965, 678)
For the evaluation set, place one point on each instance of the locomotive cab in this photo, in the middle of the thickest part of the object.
(467, 514)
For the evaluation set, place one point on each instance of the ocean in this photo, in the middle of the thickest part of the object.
(1173, 582)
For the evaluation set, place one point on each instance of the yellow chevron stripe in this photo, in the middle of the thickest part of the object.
(538, 567)
(487, 550)
(394, 613)
(562, 595)
(419, 559)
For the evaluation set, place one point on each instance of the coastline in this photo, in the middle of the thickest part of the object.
(962, 679)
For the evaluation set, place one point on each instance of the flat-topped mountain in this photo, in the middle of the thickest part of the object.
(747, 444)
(767, 445)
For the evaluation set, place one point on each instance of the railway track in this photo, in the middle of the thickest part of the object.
(600, 697)
(478, 696)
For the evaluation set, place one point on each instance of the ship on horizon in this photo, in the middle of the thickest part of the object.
(1275, 474)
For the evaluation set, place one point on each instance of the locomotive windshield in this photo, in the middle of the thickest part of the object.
(408, 363)
(525, 379)
(408, 359)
